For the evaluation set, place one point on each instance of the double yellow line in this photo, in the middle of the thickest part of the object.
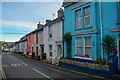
(3, 74)
(2, 71)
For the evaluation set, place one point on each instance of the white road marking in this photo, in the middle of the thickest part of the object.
(24, 63)
(18, 64)
(15, 64)
(12, 64)
(42, 73)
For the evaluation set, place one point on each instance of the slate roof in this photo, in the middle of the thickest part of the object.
(66, 4)
(51, 22)
(55, 20)
(69, 2)
(36, 30)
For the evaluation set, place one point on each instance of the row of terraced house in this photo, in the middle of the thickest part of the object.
(45, 39)
(87, 21)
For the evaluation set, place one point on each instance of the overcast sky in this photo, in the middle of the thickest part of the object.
(22, 17)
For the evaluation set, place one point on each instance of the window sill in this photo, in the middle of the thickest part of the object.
(83, 28)
(50, 57)
(83, 57)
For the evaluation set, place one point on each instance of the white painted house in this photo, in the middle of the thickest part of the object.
(53, 32)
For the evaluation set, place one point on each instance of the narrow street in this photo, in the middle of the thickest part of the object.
(16, 66)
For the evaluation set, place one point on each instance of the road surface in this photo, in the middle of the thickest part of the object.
(16, 66)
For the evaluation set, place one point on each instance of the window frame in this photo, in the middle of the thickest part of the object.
(87, 46)
(50, 50)
(29, 39)
(36, 38)
(78, 47)
(118, 10)
(86, 16)
(78, 18)
(50, 31)
(29, 49)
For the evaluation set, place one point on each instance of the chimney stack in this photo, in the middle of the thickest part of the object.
(39, 25)
(60, 12)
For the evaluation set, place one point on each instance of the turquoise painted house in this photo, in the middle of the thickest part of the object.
(88, 22)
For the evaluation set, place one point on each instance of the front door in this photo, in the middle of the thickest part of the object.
(59, 50)
(36, 51)
(42, 49)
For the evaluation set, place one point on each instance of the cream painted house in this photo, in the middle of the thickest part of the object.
(38, 40)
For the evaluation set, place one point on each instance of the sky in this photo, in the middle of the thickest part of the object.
(20, 18)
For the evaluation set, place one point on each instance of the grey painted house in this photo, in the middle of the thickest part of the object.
(23, 45)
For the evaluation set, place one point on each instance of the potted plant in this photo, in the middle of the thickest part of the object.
(108, 42)
(87, 55)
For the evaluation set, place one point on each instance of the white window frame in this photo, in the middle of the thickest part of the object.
(50, 32)
(78, 18)
(50, 51)
(77, 46)
(86, 16)
(87, 46)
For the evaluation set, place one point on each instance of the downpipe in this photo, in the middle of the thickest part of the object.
(101, 28)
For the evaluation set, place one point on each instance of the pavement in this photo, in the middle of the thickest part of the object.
(0, 66)
(17, 67)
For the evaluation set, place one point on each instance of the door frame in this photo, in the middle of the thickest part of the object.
(58, 50)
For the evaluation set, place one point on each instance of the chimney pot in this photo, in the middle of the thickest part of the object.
(39, 25)
(60, 12)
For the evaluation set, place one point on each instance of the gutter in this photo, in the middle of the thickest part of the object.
(101, 28)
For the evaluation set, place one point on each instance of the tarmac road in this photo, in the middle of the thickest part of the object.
(19, 67)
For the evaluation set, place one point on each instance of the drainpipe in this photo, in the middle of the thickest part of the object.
(63, 33)
(101, 28)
